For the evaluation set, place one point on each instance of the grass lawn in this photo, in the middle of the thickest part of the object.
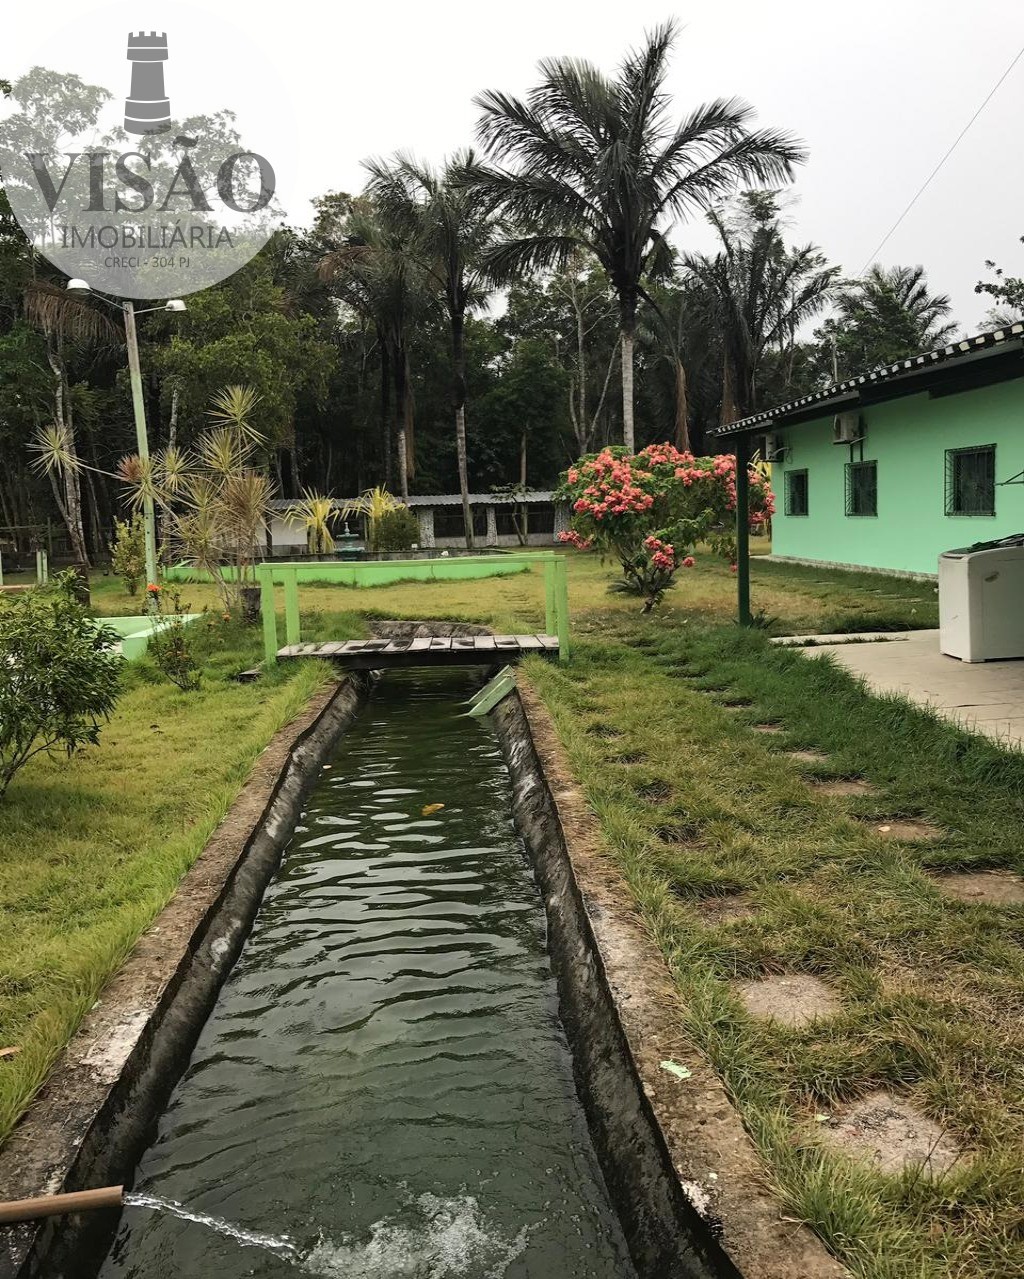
(92, 848)
(695, 806)
(698, 808)
(789, 599)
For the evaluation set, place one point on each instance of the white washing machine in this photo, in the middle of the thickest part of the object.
(981, 600)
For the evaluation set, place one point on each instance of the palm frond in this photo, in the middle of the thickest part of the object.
(513, 259)
(59, 312)
(234, 407)
(54, 449)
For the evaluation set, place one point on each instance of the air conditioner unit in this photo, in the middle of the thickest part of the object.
(847, 429)
(775, 448)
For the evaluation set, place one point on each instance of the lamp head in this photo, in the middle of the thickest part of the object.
(78, 286)
(175, 304)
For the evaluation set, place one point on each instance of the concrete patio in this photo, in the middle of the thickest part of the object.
(985, 697)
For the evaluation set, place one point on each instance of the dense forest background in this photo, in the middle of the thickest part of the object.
(422, 297)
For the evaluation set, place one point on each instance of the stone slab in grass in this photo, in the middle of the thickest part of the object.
(792, 1001)
(843, 788)
(770, 730)
(807, 757)
(907, 829)
(991, 887)
(726, 910)
(890, 1133)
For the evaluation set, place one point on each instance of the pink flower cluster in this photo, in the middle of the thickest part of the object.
(611, 486)
(664, 455)
(614, 489)
(663, 554)
(574, 539)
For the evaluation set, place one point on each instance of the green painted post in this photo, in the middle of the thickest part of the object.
(291, 606)
(549, 598)
(743, 529)
(266, 578)
(562, 609)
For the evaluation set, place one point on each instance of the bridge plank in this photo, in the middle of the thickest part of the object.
(426, 650)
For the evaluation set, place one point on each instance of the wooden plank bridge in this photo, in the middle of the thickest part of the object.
(458, 650)
(470, 650)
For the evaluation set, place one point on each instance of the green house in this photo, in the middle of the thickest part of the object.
(890, 468)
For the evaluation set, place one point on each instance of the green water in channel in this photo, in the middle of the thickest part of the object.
(384, 1082)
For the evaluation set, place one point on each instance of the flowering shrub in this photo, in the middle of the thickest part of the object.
(172, 647)
(650, 509)
(128, 554)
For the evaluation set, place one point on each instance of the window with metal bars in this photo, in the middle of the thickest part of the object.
(796, 492)
(971, 481)
(862, 488)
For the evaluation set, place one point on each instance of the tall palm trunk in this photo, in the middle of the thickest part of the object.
(728, 392)
(385, 406)
(409, 419)
(682, 423)
(172, 428)
(400, 367)
(627, 309)
(71, 506)
(459, 362)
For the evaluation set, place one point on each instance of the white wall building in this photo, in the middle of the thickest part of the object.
(497, 521)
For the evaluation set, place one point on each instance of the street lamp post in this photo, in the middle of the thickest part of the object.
(139, 406)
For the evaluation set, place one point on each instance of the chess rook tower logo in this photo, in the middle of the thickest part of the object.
(147, 110)
(146, 212)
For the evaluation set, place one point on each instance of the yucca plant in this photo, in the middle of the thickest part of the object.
(215, 502)
(314, 513)
(372, 505)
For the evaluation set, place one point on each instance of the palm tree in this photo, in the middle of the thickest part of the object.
(756, 294)
(664, 335)
(450, 226)
(593, 162)
(887, 316)
(376, 272)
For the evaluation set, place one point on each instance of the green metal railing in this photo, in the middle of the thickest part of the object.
(556, 590)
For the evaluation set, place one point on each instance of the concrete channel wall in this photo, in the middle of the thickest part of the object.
(91, 1122)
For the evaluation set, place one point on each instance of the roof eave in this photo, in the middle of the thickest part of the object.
(895, 376)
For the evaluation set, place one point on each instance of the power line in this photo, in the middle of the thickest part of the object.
(927, 182)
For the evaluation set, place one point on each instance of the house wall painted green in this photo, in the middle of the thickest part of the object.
(908, 439)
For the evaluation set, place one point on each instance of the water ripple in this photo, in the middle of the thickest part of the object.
(384, 1084)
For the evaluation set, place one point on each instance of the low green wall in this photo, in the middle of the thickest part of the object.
(136, 632)
(375, 572)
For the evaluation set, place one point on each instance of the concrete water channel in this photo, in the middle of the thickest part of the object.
(384, 1087)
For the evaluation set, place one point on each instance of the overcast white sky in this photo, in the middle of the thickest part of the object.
(878, 90)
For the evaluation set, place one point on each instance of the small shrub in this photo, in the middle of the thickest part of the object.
(173, 646)
(59, 676)
(397, 530)
(128, 554)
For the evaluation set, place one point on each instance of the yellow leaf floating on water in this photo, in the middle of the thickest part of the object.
(431, 808)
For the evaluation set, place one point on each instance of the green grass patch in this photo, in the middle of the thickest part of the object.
(693, 805)
(92, 848)
(932, 990)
